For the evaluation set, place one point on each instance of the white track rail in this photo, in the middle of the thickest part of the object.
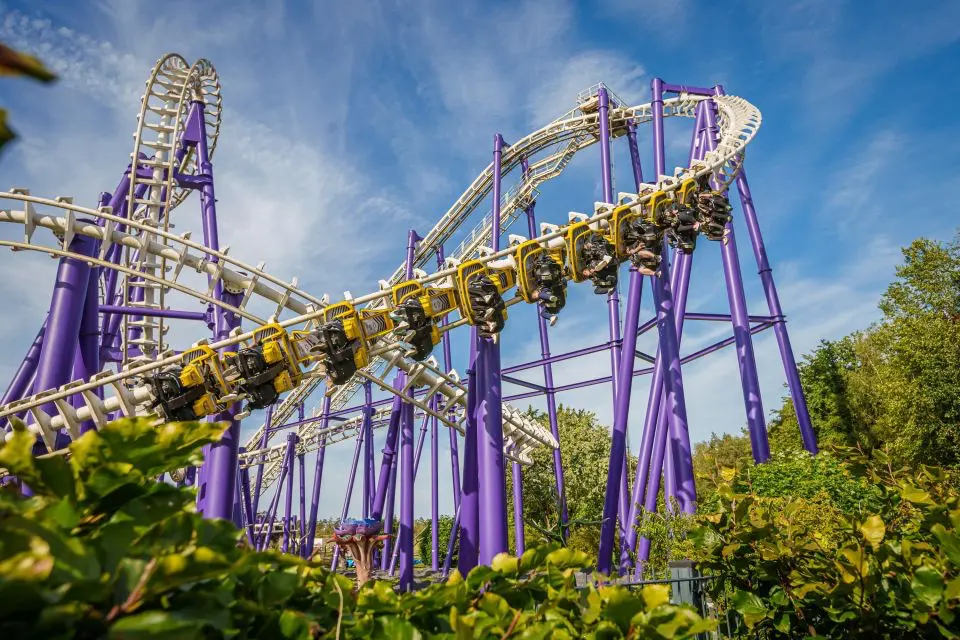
(170, 91)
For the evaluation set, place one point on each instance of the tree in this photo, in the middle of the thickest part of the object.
(585, 444)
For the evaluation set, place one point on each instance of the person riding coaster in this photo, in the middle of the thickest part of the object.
(487, 305)
(412, 326)
(600, 265)
(713, 212)
(643, 245)
(335, 350)
(551, 286)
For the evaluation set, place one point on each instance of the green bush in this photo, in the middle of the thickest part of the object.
(103, 550)
(796, 568)
(425, 541)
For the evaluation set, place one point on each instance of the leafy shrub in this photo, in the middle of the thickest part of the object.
(425, 541)
(103, 550)
(796, 569)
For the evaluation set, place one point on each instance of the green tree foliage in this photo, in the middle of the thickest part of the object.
(103, 550)
(585, 444)
(425, 541)
(797, 568)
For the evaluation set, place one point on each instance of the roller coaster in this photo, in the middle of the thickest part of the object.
(102, 352)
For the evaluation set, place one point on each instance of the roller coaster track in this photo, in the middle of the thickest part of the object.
(563, 138)
(142, 237)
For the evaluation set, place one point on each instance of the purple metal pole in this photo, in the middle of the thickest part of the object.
(454, 532)
(88, 352)
(25, 372)
(493, 508)
(434, 494)
(317, 480)
(618, 441)
(454, 445)
(741, 324)
(367, 451)
(221, 460)
(405, 537)
(288, 506)
(388, 513)
(247, 504)
(349, 493)
(669, 342)
(655, 418)
(551, 395)
(519, 541)
(773, 304)
(263, 445)
(469, 501)
(156, 313)
(59, 346)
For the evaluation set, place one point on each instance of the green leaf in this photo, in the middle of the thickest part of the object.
(156, 625)
(927, 585)
(6, 133)
(873, 530)
(749, 606)
(15, 63)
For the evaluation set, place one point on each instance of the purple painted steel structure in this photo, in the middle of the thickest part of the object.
(67, 345)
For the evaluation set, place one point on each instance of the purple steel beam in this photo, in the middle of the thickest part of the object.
(523, 383)
(388, 511)
(773, 304)
(156, 313)
(317, 481)
(669, 342)
(405, 537)
(618, 440)
(451, 541)
(551, 359)
(469, 505)
(222, 457)
(416, 467)
(271, 514)
(407, 479)
(288, 506)
(615, 500)
(551, 396)
(640, 372)
(493, 507)
(23, 378)
(59, 345)
(434, 493)
(746, 359)
(349, 493)
(367, 450)
(247, 504)
(447, 366)
(263, 445)
(519, 543)
(87, 358)
(682, 88)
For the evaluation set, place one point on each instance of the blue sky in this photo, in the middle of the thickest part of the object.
(347, 123)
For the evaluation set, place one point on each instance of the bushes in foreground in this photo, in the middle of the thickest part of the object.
(103, 550)
(824, 565)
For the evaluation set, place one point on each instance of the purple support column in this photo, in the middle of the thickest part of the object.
(388, 513)
(551, 395)
(434, 493)
(88, 353)
(741, 324)
(469, 501)
(24, 376)
(653, 444)
(247, 504)
(454, 445)
(773, 304)
(349, 493)
(493, 508)
(621, 415)
(268, 419)
(59, 347)
(221, 459)
(367, 450)
(317, 480)
(405, 538)
(288, 506)
(519, 541)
